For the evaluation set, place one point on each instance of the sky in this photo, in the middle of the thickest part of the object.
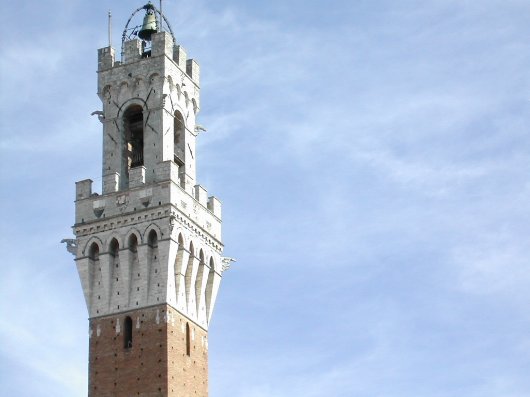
(373, 160)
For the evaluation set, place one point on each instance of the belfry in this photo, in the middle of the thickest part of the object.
(148, 249)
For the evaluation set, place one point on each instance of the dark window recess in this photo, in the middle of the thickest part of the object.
(188, 340)
(134, 132)
(127, 333)
(178, 138)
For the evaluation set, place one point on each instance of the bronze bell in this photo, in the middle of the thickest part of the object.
(149, 25)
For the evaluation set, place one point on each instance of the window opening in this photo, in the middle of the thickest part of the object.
(127, 334)
(178, 138)
(134, 135)
(188, 340)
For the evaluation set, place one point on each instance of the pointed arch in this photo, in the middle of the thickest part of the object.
(123, 89)
(93, 240)
(179, 137)
(199, 279)
(93, 251)
(154, 290)
(152, 227)
(139, 85)
(179, 91)
(132, 242)
(180, 263)
(189, 271)
(114, 263)
(153, 77)
(133, 122)
(114, 247)
(170, 83)
(136, 286)
(180, 240)
(152, 239)
(210, 287)
(94, 269)
(136, 233)
(192, 249)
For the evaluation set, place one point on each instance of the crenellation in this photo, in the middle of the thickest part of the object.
(132, 51)
(162, 45)
(214, 205)
(137, 176)
(167, 171)
(201, 195)
(83, 189)
(111, 182)
(193, 70)
(180, 56)
(106, 58)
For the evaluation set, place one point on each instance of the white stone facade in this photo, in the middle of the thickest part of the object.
(153, 236)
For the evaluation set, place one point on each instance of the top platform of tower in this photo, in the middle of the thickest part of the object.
(154, 37)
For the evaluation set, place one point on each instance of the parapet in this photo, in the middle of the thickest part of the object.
(83, 189)
(180, 56)
(137, 176)
(190, 66)
(106, 58)
(214, 205)
(111, 183)
(167, 170)
(162, 44)
(132, 51)
(193, 70)
(201, 195)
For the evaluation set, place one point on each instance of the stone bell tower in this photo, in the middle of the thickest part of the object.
(148, 248)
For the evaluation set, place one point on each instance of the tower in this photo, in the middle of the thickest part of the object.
(148, 248)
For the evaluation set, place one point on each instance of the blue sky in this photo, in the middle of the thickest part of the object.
(373, 162)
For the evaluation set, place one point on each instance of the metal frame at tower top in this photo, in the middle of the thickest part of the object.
(160, 22)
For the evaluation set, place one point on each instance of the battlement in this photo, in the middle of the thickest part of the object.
(194, 203)
(162, 45)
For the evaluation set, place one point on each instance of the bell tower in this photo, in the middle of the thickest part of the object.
(148, 248)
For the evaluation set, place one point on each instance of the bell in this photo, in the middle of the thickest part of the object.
(148, 27)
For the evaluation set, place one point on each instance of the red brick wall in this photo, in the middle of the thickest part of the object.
(156, 365)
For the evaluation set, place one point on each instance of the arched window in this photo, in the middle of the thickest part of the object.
(114, 249)
(93, 253)
(94, 270)
(188, 340)
(152, 254)
(209, 287)
(133, 252)
(199, 279)
(189, 271)
(133, 243)
(127, 333)
(133, 120)
(178, 138)
(152, 240)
